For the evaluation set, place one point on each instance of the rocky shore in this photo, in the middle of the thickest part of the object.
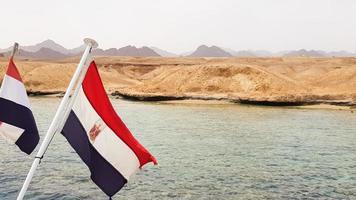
(275, 101)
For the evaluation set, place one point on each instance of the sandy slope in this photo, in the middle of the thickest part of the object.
(304, 80)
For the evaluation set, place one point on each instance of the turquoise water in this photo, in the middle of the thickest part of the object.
(205, 152)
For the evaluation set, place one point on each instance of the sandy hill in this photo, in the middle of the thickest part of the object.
(213, 51)
(214, 79)
(286, 80)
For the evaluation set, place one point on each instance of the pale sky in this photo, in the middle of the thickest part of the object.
(182, 25)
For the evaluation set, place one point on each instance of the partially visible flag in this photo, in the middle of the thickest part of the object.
(17, 124)
(101, 139)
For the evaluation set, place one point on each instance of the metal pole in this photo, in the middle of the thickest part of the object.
(14, 49)
(61, 111)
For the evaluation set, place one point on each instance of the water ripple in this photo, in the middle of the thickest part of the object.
(205, 152)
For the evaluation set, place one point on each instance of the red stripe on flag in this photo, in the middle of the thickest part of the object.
(95, 93)
(12, 70)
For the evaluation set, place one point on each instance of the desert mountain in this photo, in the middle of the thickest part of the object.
(47, 44)
(127, 51)
(318, 53)
(43, 53)
(305, 53)
(262, 53)
(49, 49)
(163, 53)
(133, 51)
(213, 51)
(340, 54)
(77, 50)
(298, 53)
(107, 52)
(243, 53)
(249, 53)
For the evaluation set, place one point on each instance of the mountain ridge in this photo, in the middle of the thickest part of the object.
(127, 51)
(49, 49)
(212, 51)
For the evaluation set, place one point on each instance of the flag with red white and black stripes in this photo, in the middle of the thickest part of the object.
(17, 124)
(100, 137)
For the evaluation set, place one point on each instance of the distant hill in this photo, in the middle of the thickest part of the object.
(98, 52)
(127, 51)
(133, 51)
(249, 53)
(49, 49)
(111, 52)
(340, 54)
(305, 53)
(243, 53)
(163, 53)
(213, 51)
(77, 50)
(43, 53)
(47, 44)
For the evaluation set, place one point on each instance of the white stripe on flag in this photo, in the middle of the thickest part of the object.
(107, 143)
(14, 90)
(10, 133)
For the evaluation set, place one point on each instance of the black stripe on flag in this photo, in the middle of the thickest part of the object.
(102, 172)
(21, 117)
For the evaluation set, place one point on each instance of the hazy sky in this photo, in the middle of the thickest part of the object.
(182, 25)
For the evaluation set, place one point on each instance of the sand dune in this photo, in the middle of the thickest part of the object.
(256, 80)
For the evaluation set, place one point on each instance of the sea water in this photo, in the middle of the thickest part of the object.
(204, 152)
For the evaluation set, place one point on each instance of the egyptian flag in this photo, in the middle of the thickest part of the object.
(17, 124)
(101, 139)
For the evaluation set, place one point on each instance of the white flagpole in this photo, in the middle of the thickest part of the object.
(62, 112)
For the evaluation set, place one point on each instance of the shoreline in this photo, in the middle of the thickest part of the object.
(276, 102)
(321, 106)
(199, 100)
